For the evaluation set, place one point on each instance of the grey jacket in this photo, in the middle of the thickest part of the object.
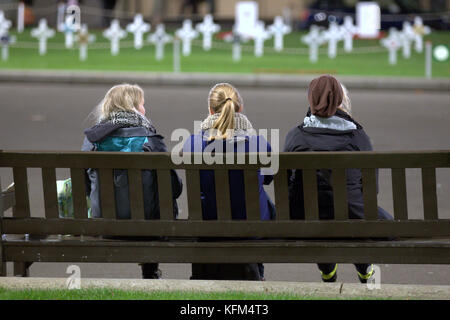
(113, 137)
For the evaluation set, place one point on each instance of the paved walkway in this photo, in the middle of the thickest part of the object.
(206, 79)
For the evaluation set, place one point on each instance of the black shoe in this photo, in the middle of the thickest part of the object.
(363, 278)
(330, 277)
(150, 272)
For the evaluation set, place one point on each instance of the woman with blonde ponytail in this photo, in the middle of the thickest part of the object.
(226, 129)
(121, 125)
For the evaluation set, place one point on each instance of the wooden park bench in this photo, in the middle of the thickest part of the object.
(425, 241)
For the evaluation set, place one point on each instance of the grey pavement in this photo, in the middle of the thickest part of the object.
(206, 79)
(44, 116)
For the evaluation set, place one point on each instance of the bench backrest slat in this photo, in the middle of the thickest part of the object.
(194, 194)
(339, 184)
(281, 195)
(370, 193)
(136, 194)
(252, 205)
(165, 194)
(310, 194)
(79, 193)
(221, 181)
(430, 210)
(50, 193)
(107, 196)
(399, 194)
(22, 207)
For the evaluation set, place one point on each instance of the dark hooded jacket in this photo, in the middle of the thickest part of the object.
(117, 137)
(310, 138)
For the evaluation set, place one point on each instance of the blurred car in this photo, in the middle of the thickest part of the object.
(393, 13)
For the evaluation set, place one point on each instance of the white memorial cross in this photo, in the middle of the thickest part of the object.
(420, 30)
(207, 28)
(43, 32)
(6, 40)
(4, 24)
(69, 28)
(313, 40)
(279, 29)
(84, 38)
(392, 42)
(348, 30)
(159, 38)
(406, 37)
(236, 39)
(115, 33)
(260, 35)
(186, 34)
(138, 28)
(333, 35)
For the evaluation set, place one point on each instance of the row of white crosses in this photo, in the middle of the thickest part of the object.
(333, 35)
(403, 39)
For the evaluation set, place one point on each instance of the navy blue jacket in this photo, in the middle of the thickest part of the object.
(198, 143)
(111, 137)
(302, 138)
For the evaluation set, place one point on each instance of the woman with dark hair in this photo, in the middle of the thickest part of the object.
(329, 126)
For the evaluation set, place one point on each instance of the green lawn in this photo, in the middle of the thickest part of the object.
(113, 294)
(219, 58)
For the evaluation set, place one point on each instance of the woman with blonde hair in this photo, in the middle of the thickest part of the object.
(227, 129)
(121, 125)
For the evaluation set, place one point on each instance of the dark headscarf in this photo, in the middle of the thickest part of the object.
(324, 95)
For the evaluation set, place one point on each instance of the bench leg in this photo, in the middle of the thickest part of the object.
(21, 269)
(2, 269)
(2, 263)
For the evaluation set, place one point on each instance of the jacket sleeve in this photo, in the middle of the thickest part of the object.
(87, 146)
(363, 143)
(156, 144)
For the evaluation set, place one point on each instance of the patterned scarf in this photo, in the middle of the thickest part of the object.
(241, 124)
(128, 119)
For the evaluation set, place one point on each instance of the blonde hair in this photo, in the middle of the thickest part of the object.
(123, 97)
(226, 100)
(346, 104)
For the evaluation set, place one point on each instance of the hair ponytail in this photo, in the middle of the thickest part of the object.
(226, 122)
(226, 100)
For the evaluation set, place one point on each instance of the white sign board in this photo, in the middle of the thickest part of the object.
(246, 18)
(368, 19)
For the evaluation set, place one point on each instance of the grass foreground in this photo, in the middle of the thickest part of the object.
(113, 294)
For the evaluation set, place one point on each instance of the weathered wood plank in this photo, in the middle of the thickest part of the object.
(136, 194)
(310, 194)
(231, 228)
(165, 195)
(223, 199)
(79, 193)
(403, 252)
(252, 205)
(370, 194)
(281, 195)
(290, 160)
(339, 183)
(22, 207)
(430, 209)
(194, 194)
(107, 196)
(399, 194)
(50, 193)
